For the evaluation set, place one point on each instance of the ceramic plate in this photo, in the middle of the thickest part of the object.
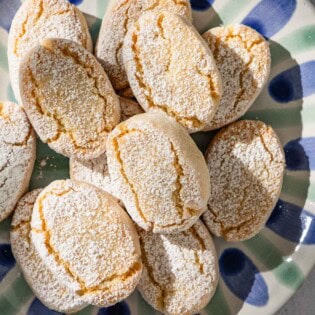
(259, 275)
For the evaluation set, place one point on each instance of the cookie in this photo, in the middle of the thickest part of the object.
(116, 23)
(87, 240)
(243, 58)
(246, 165)
(129, 108)
(17, 147)
(93, 171)
(180, 271)
(68, 98)
(158, 172)
(44, 284)
(39, 19)
(171, 69)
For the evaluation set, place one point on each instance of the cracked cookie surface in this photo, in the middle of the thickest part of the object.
(246, 165)
(40, 19)
(116, 23)
(171, 69)
(45, 285)
(180, 271)
(87, 240)
(68, 98)
(158, 172)
(243, 59)
(17, 147)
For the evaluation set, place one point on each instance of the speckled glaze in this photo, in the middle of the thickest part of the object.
(259, 275)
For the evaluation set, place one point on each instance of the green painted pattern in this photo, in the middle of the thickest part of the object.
(101, 6)
(10, 94)
(218, 305)
(283, 117)
(143, 307)
(3, 57)
(299, 188)
(16, 295)
(5, 227)
(95, 29)
(49, 166)
(86, 311)
(297, 41)
(288, 273)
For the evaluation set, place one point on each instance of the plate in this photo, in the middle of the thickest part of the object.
(259, 275)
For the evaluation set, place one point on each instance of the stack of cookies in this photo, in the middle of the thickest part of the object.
(142, 199)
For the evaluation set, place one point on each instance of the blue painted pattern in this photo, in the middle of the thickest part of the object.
(242, 277)
(292, 222)
(7, 12)
(269, 16)
(7, 260)
(76, 2)
(300, 154)
(201, 5)
(294, 83)
(38, 308)
(121, 308)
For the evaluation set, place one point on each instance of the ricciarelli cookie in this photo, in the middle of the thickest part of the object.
(180, 271)
(116, 23)
(68, 98)
(158, 172)
(87, 240)
(243, 58)
(39, 19)
(44, 284)
(246, 165)
(171, 69)
(17, 155)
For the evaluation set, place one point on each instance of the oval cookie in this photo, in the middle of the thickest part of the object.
(39, 19)
(243, 58)
(246, 165)
(171, 69)
(116, 23)
(180, 271)
(158, 172)
(87, 240)
(44, 284)
(17, 148)
(68, 98)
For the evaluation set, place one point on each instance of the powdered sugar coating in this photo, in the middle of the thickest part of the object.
(87, 240)
(116, 23)
(129, 108)
(68, 98)
(158, 172)
(246, 165)
(17, 147)
(180, 272)
(39, 19)
(171, 69)
(46, 287)
(243, 58)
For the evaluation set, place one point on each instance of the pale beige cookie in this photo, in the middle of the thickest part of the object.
(17, 155)
(129, 108)
(158, 172)
(39, 19)
(180, 271)
(246, 165)
(117, 20)
(68, 98)
(87, 240)
(44, 284)
(171, 69)
(243, 58)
